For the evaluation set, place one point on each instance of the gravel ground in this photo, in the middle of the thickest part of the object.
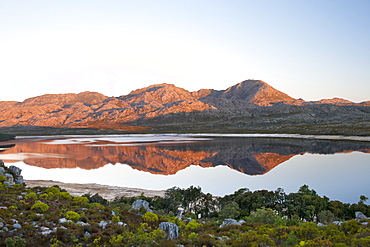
(108, 192)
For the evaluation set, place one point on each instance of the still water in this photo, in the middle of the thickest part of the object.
(219, 164)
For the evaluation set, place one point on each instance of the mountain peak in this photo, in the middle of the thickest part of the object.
(159, 93)
(257, 92)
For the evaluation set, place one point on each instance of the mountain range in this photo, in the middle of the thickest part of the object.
(249, 106)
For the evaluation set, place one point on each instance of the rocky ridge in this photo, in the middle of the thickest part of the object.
(249, 105)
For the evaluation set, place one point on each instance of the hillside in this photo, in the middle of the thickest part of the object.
(249, 106)
(40, 216)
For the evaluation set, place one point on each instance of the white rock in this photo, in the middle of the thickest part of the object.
(103, 224)
(82, 223)
(64, 220)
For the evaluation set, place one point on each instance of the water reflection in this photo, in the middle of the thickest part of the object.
(169, 154)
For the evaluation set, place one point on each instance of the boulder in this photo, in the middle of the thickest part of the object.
(9, 178)
(17, 226)
(360, 216)
(229, 222)
(171, 230)
(16, 170)
(138, 204)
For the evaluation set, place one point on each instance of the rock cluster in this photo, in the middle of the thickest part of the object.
(11, 174)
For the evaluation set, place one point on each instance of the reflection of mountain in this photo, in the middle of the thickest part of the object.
(248, 155)
(4, 147)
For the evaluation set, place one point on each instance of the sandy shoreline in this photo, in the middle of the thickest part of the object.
(106, 191)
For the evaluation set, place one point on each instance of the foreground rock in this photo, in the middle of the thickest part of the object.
(12, 174)
(171, 230)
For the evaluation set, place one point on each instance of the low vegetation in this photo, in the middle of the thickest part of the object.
(6, 137)
(52, 217)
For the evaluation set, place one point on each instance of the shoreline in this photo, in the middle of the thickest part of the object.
(106, 191)
(23, 139)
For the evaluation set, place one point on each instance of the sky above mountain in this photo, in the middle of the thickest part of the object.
(310, 49)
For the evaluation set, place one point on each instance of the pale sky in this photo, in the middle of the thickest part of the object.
(310, 49)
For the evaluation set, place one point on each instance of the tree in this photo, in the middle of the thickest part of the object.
(305, 190)
(190, 198)
(325, 217)
(363, 199)
(265, 216)
(230, 210)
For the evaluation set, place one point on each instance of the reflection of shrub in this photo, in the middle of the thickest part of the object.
(40, 207)
(71, 215)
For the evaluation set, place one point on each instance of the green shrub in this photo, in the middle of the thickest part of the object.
(31, 195)
(80, 200)
(193, 225)
(149, 216)
(116, 218)
(96, 205)
(53, 190)
(15, 242)
(71, 215)
(65, 195)
(40, 207)
(2, 178)
(192, 236)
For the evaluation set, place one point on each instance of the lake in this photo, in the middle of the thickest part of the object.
(336, 167)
